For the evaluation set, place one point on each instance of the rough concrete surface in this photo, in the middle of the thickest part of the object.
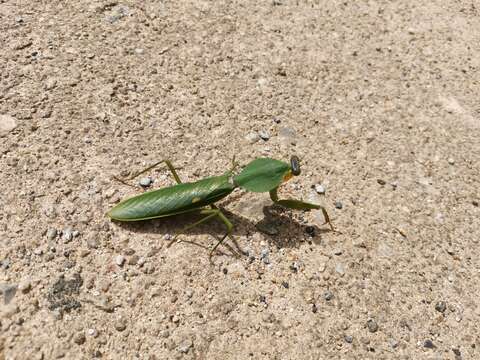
(380, 100)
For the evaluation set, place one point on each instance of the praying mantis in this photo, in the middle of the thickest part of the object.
(260, 175)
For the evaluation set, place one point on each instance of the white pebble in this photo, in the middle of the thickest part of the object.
(51, 233)
(145, 182)
(141, 261)
(67, 235)
(252, 138)
(264, 135)
(120, 260)
(320, 189)
(340, 268)
(92, 332)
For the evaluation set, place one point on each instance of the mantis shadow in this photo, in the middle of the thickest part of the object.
(279, 227)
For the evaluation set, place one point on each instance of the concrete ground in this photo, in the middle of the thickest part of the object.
(379, 99)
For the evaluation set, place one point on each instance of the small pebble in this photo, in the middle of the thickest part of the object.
(337, 252)
(393, 343)
(338, 205)
(133, 260)
(441, 306)
(51, 234)
(79, 338)
(67, 235)
(5, 264)
(381, 182)
(92, 243)
(128, 251)
(328, 295)
(288, 135)
(164, 334)
(264, 135)
(92, 333)
(277, 120)
(285, 284)
(475, 203)
(451, 161)
(372, 326)
(294, 267)
(340, 269)
(25, 286)
(120, 260)
(57, 314)
(7, 124)
(189, 293)
(185, 346)
(145, 182)
(141, 261)
(262, 299)
(314, 308)
(428, 344)
(8, 292)
(120, 325)
(456, 352)
(83, 253)
(320, 189)
(252, 138)
(349, 339)
(225, 271)
(310, 230)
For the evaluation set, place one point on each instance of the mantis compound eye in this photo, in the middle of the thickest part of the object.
(295, 165)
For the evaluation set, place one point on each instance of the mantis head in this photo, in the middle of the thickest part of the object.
(265, 174)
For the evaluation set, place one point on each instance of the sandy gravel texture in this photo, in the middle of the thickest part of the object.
(380, 100)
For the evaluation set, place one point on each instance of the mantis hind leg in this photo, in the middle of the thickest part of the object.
(206, 218)
(229, 226)
(214, 212)
(167, 162)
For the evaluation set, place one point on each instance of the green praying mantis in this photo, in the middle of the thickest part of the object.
(260, 175)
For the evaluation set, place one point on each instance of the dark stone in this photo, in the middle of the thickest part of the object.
(61, 295)
(441, 306)
(428, 344)
(372, 326)
(310, 230)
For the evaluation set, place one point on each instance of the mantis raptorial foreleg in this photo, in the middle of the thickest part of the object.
(299, 205)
